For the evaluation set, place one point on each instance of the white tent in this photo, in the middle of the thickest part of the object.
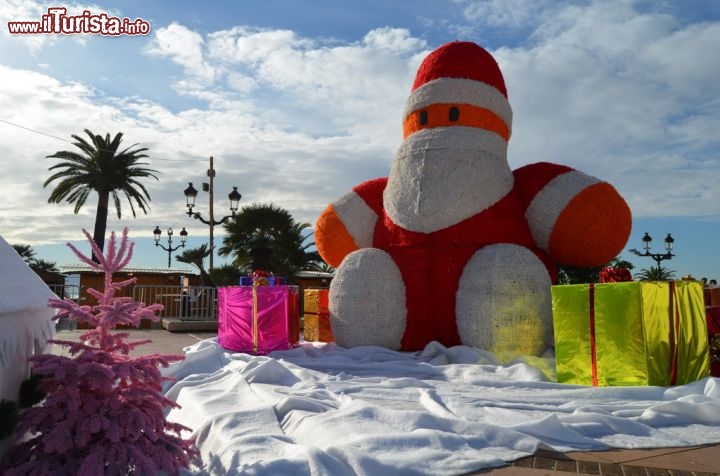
(25, 321)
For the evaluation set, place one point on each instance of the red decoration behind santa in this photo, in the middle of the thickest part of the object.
(454, 246)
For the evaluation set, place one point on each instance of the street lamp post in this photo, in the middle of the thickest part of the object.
(183, 237)
(658, 257)
(190, 196)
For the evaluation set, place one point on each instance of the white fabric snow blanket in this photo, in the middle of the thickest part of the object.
(322, 409)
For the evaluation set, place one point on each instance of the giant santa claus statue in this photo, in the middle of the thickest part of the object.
(454, 246)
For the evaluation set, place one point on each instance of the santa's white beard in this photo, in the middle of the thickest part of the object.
(441, 176)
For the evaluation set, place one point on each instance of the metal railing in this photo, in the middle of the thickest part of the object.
(187, 303)
(65, 291)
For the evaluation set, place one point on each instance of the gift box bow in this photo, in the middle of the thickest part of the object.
(261, 278)
(611, 274)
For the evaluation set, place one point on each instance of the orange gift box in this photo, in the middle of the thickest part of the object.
(316, 316)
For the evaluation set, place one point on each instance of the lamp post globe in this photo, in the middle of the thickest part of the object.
(669, 243)
(190, 196)
(234, 197)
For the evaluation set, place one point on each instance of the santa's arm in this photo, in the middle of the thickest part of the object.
(577, 219)
(348, 223)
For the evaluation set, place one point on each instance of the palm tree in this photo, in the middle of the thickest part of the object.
(102, 168)
(319, 265)
(267, 237)
(326, 268)
(225, 275)
(196, 257)
(301, 246)
(658, 273)
(44, 266)
(26, 252)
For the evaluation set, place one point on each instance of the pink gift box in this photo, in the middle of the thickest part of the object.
(258, 319)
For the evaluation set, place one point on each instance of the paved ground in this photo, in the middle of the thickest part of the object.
(163, 342)
(694, 461)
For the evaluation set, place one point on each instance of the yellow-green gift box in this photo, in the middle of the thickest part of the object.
(630, 333)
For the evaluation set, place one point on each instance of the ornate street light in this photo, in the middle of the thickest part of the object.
(183, 237)
(658, 257)
(190, 196)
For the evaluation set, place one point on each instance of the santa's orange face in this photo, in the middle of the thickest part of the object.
(448, 115)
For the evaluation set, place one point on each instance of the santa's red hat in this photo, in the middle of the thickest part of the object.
(462, 73)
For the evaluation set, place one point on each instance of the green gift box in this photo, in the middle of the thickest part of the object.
(630, 333)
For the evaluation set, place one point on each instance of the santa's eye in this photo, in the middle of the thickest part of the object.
(423, 117)
(453, 115)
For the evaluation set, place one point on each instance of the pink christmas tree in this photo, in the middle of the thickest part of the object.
(104, 413)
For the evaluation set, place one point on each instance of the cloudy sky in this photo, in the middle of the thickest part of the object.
(299, 101)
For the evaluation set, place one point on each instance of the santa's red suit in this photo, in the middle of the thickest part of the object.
(454, 246)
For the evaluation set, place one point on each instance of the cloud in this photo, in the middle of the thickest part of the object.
(625, 96)
(318, 87)
(184, 47)
(393, 39)
(504, 13)
(251, 45)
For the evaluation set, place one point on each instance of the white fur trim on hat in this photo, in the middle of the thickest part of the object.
(545, 208)
(460, 91)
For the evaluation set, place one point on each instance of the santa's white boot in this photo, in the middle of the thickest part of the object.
(503, 302)
(367, 300)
